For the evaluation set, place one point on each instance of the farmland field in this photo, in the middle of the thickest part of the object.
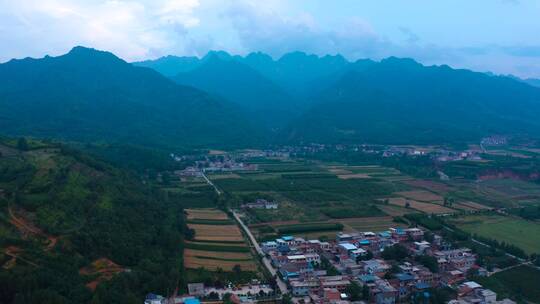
(429, 185)
(420, 206)
(374, 224)
(218, 243)
(422, 196)
(515, 231)
(394, 210)
(510, 192)
(206, 214)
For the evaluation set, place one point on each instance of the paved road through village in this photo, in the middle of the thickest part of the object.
(266, 261)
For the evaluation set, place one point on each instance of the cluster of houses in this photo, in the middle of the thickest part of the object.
(495, 140)
(225, 165)
(357, 258)
(448, 156)
(261, 203)
(199, 293)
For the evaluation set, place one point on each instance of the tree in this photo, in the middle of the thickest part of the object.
(396, 252)
(367, 256)
(237, 269)
(22, 144)
(286, 299)
(354, 291)
(227, 298)
(189, 234)
(365, 292)
(429, 261)
(407, 204)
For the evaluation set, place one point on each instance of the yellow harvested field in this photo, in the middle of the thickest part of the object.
(206, 214)
(339, 171)
(420, 206)
(215, 254)
(216, 232)
(192, 262)
(352, 176)
(420, 195)
(218, 244)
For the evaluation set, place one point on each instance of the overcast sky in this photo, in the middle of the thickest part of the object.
(502, 36)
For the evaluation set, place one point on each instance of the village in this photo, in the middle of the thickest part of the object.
(400, 265)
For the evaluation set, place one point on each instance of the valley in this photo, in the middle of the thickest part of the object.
(211, 178)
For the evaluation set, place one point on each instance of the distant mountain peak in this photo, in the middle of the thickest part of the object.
(398, 60)
(86, 53)
(217, 54)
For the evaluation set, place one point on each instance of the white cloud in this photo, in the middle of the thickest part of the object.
(132, 29)
(141, 29)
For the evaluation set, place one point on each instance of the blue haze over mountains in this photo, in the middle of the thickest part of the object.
(236, 101)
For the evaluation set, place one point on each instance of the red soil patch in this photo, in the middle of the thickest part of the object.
(14, 252)
(27, 228)
(105, 270)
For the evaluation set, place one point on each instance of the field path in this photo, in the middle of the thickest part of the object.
(211, 183)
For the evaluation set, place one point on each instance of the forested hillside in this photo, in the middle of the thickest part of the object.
(89, 95)
(232, 101)
(267, 103)
(70, 224)
(393, 101)
(402, 101)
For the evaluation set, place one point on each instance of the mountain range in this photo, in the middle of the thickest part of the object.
(391, 101)
(221, 100)
(90, 95)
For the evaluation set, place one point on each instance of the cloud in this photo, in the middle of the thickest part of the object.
(411, 36)
(142, 29)
(275, 33)
(133, 29)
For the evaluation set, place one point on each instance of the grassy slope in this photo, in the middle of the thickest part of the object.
(519, 232)
(519, 283)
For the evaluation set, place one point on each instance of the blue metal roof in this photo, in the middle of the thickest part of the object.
(385, 234)
(192, 301)
(404, 277)
(421, 285)
(367, 278)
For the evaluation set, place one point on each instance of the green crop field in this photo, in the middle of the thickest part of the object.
(519, 232)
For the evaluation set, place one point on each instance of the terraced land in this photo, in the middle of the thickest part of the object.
(218, 243)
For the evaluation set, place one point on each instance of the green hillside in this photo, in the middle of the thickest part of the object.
(400, 101)
(88, 95)
(69, 224)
